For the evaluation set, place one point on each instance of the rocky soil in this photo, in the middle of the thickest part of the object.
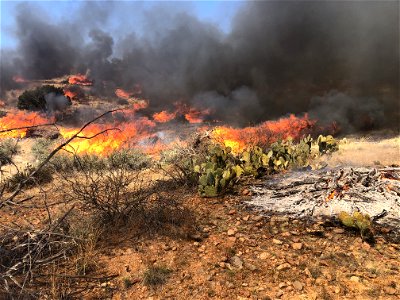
(239, 254)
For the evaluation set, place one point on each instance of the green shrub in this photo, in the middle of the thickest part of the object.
(129, 159)
(44, 175)
(156, 275)
(35, 99)
(8, 148)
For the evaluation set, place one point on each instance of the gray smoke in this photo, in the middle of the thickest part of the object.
(280, 57)
(56, 102)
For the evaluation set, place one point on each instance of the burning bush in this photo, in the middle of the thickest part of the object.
(36, 99)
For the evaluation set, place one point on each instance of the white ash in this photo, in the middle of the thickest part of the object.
(375, 192)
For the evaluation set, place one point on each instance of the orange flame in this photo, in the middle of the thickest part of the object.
(164, 116)
(102, 139)
(18, 119)
(122, 94)
(263, 134)
(19, 79)
(70, 94)
(79, 79)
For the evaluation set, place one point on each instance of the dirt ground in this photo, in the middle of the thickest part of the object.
(236, 253)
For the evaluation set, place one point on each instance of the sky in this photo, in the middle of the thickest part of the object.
(125, 13)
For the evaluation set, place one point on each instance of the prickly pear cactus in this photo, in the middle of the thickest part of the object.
(359, 221)
(327, 144)
(217, 173)
(254, 161)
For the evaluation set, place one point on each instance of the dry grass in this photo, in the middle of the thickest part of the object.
(365, 152)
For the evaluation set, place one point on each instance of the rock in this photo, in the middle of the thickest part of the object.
(355, 278)
(231, 232)
(283, 266)
(246, 218)
(279, 294)
(338, 230)
(250, 266)
(245, 192)
(298, 285)
(277, 242)
(236, 262)
(257, 218)
(282, 285)
(232, 212)
(389, 290)
(297, 246)
(263, 255)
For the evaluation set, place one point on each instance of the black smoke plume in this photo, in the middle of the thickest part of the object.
(338, 60)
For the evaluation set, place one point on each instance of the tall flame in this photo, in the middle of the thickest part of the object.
(18, 119)
(263, 134)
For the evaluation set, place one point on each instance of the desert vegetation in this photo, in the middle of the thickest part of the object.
(63, 210)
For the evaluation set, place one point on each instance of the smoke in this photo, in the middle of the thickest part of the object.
(338, 60)
(56, 102)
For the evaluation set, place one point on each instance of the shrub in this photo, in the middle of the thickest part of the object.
(113, 194)
(35, 99)
(129, 159)
(8, 148)
(42, 176)
(156, 275)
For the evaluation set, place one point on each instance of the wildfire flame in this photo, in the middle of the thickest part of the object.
(69, 93)
(111, 138)
(122, 94)
(18, 119)
(164, 116)
(80, 80)
(265, 133)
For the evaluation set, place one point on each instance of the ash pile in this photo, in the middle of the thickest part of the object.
(327, 193)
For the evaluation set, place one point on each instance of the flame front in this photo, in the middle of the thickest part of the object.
(164, 116)
(265, 133)
(18, 119)
(80, 80)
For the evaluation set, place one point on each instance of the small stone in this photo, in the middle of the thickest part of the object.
(282, 285)
(257, 218)
(355, 278)
(298, 285)
(263, 255)
(338, 230)
(246, 218)
(245, 284)
(245, 192)
(297, 246)
(236, 262)
(196, 244)
(337, 290)
(231, 232)
(277, 242)
(285, 234)
(279, 294)
(250, 266)
(389, 290)
(284, 266)
(174, 248)
(232, 212)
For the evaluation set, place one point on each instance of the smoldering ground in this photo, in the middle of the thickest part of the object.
(338, 60)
